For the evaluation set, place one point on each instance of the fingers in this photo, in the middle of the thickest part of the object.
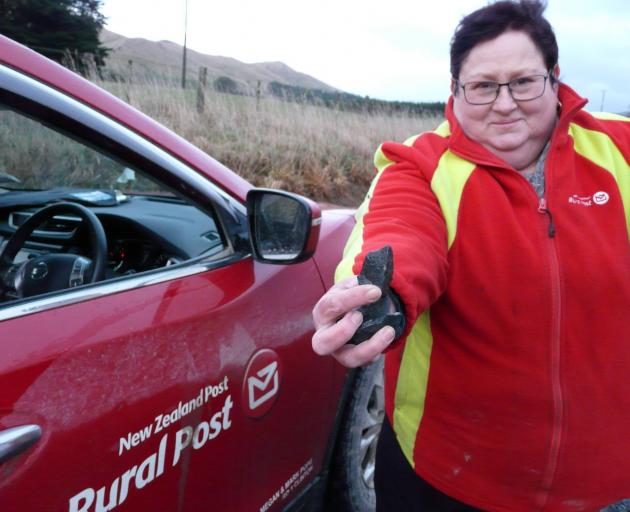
(331, 337)
(345, 296)
(336, 319)
(352, 356)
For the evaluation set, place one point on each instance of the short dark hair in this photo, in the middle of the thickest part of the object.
(491, 21)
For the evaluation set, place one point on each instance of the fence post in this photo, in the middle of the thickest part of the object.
(258, 96)
(129, 81)
(201, 99)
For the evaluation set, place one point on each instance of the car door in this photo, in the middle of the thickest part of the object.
(186, 386)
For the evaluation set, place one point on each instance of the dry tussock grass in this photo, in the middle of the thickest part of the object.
(322, 153)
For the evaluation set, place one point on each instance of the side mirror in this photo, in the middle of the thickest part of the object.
(283, 227)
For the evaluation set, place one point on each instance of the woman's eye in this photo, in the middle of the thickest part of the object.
(482, 86)
(525, 80)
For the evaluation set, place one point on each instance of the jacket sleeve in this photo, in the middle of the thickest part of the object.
(401, 210)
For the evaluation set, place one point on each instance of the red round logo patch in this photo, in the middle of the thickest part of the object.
(261, 383)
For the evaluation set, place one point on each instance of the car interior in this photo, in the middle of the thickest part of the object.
(71, 214)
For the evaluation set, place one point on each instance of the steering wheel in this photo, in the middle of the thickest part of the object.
(50, 272)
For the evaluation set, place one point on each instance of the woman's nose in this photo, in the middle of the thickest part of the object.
(504, 101)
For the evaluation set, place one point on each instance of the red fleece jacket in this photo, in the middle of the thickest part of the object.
(510, 388)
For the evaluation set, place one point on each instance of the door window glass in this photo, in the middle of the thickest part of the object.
(147, 226)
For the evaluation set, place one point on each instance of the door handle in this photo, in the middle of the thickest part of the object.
(15, 440)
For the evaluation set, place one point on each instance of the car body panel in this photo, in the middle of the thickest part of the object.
(91, 388)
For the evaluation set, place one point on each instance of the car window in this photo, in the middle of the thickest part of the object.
(36, 157)
(148, 227)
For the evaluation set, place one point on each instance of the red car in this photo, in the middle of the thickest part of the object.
(155, 342)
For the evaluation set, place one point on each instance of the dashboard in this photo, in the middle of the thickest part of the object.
(143, 233)
(130, 255)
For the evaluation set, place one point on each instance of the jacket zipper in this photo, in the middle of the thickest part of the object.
(542, 208)
(556, 384)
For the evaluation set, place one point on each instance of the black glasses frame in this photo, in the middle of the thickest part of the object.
(504, 84)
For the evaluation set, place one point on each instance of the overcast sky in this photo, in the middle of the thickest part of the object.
(394, 49)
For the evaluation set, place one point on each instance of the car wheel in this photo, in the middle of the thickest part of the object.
(352, 472)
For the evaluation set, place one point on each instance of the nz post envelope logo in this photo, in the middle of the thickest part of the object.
(261, 383)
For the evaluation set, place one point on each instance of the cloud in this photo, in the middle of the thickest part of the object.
(594, 48)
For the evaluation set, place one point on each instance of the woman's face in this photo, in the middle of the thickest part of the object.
(516, 131)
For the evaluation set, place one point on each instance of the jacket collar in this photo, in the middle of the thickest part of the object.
(570, 104)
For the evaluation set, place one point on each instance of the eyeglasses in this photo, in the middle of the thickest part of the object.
(524, 88)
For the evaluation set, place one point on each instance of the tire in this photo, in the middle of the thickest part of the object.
(352, 471)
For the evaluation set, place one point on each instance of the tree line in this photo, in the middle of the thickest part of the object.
(352, 102)
(59, 29)
(334, 99)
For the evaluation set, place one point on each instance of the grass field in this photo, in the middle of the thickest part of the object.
(320, 152)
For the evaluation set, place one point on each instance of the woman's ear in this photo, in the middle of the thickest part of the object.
(556, 73)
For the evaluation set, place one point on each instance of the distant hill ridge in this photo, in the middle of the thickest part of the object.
(164, 59)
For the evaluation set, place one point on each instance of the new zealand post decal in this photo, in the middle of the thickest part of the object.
(261, 383)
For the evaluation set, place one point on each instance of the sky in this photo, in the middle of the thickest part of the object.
(392, 50)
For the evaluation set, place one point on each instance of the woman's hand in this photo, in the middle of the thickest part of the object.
(336, 319)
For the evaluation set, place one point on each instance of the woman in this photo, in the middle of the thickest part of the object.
(509, 228)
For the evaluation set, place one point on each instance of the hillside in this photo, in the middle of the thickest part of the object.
(299, 134)
(163, 59)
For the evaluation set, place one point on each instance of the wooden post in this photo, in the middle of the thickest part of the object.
(129, 81)
(258, 96)
(201, 86)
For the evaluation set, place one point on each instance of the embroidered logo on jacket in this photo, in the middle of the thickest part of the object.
(598, 198)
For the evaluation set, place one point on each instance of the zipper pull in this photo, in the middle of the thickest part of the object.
(542, 208)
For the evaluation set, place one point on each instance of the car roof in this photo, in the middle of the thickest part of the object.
(29, 62)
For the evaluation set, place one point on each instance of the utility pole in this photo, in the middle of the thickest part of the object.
(184, 57)
(601, 108)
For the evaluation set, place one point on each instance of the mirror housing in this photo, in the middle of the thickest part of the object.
(283, 227)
